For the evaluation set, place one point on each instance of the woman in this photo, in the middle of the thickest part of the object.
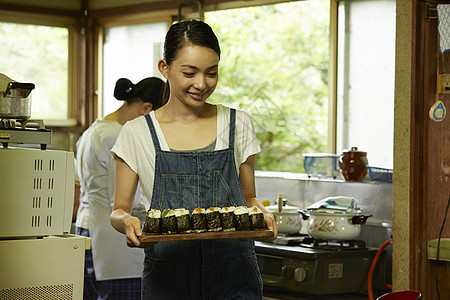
(112, 270)
(188, 154)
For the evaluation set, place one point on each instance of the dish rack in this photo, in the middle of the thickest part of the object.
(380, 174)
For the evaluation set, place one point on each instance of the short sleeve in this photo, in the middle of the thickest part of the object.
(246, 141)
(125, 147)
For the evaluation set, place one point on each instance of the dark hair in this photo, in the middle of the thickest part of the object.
(180, 34)
(147, 90)
(193, 32)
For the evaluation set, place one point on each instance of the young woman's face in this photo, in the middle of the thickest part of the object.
(193, 75)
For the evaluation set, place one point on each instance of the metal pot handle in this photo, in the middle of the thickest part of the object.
(305, 215)
(360, 219)
(25, 88)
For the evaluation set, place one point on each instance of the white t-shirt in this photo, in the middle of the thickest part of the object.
(95, 166)
(96, 171)
(135, 146)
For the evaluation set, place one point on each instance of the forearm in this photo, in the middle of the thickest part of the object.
(121, 218)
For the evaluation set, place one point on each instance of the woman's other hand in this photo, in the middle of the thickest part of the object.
(271, 224)
(132, 226)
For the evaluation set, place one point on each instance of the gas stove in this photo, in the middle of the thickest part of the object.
(27, 131)
(306, 268)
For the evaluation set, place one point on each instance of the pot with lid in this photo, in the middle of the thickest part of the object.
(287, 217)
(15, 99)
(353, 164)
(334, 218)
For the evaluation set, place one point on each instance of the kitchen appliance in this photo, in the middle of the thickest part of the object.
(16, 127)
(37, 188)
(24, 132)
(51, 267)
(39, 258)
(301, 267)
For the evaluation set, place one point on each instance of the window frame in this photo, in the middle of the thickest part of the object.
(109, 22)
(73, 74)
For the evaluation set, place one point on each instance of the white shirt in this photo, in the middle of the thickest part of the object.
(135, 146)
(113, 259)
(95, 166)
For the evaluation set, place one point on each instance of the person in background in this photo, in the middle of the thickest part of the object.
(112, 270)
(189, 154)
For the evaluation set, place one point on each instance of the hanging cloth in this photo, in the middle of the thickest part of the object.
(444, 26)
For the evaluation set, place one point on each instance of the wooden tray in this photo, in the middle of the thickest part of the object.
(251, 234)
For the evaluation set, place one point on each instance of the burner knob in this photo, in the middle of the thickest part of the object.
(299, 274)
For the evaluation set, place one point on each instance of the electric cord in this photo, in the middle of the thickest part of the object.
(438, 246)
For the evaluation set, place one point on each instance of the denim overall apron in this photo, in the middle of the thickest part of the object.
(199, 269)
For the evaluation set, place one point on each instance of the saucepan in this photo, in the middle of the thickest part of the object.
(15, 99)
(334, 218)
(331, 224)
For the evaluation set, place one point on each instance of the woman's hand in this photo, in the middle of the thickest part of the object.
(271, 225)
(270, 222)
(132, 227)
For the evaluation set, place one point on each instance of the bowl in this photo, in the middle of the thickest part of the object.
(321, 165)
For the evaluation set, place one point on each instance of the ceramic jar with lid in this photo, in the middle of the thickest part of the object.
(353, 164)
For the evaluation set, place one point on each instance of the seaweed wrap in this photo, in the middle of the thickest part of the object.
(198, 220)
(168, 222)
(213, 219)
(256, 218)
(242, 219)
(183, 220)
(227, 218)
(152, 224)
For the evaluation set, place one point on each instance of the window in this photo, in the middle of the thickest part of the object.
(39, 54)
(365, 87)
(275, 66)
(130, 51)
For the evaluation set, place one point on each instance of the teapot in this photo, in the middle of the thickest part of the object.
(287, 217)
(353, 164)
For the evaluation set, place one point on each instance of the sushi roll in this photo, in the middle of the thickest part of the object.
(168, 222)
(198, 220)
(256, 218)
(152, 223)
(242, 219)
(213, 219)
(227, 218)
(183, 220)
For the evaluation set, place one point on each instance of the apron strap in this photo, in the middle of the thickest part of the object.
(232, 128)
(153, 132)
